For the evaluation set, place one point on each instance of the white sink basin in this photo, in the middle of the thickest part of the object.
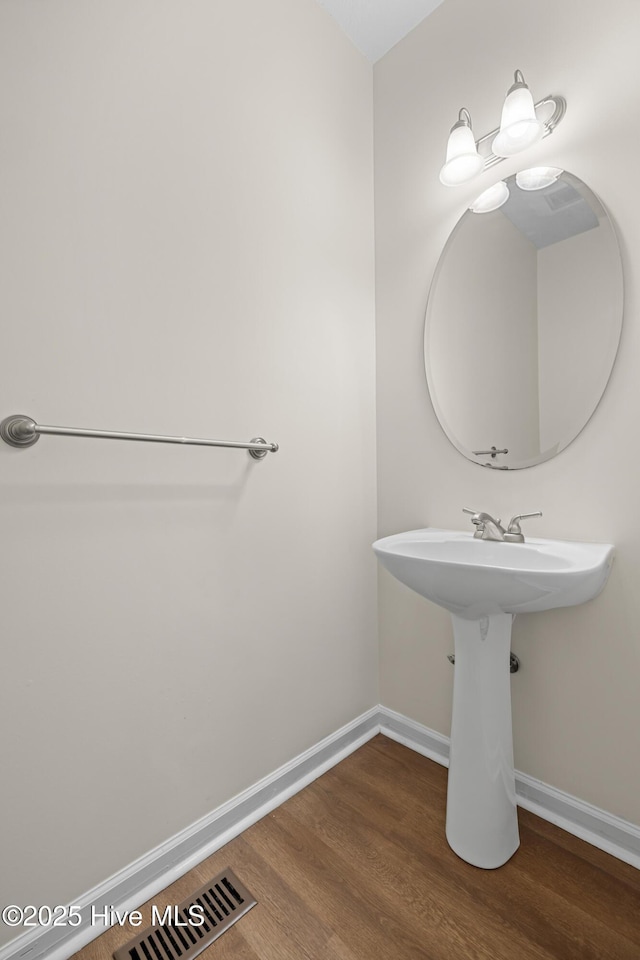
(478, 578)
(483, 583)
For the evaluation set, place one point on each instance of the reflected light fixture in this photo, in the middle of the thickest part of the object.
(537, 178)
(491, 199)
(519, 126)
(463, 161)
(523, 123)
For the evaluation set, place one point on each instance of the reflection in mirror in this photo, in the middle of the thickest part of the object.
(523, 322)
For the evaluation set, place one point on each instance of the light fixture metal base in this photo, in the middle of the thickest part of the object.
(19, 431)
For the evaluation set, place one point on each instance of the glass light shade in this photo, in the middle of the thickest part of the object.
(519, 126)
(537, 178)
(491, 199)
(463, 161)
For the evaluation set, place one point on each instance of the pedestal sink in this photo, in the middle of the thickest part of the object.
(483, 584)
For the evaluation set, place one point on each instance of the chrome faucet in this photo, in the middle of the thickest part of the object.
(487, 528)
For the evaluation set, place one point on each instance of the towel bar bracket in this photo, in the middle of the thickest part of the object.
(19, 431)
(259, 454)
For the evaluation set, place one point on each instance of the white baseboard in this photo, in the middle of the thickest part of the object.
(150, 874)
(602, 829)
(414, 735)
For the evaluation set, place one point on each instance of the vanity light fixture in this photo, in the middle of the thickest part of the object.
(491, 199)
(463, 161)
(523, 124)
(537, 178)
(519, 126)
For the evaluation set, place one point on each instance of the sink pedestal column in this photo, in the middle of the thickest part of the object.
(482, 822)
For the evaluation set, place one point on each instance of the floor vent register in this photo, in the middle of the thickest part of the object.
(187, 929)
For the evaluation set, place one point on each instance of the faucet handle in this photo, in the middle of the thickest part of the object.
(514, 530)
(482, 517)
(474, 514)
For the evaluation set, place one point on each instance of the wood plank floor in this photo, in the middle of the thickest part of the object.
(356, 867)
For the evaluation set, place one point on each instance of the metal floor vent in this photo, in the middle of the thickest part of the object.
(183, 931)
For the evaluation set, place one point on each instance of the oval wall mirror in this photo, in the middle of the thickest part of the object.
(523, 323)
